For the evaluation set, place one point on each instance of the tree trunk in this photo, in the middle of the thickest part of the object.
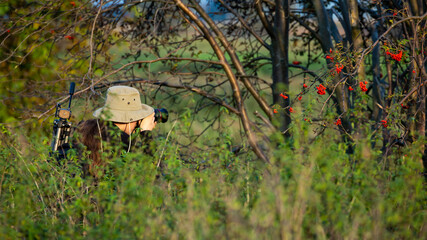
(378, 91)
(326, 43)
(280, 59)
(278, 32)
(356, 36)
(418, 77)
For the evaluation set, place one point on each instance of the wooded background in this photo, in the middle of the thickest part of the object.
(246, 54)
(255, 68)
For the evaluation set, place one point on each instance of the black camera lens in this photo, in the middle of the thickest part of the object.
(161, 115)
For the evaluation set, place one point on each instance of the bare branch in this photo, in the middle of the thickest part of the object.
(89, 71)
(244, 23)
(370, 48)
(263, 18)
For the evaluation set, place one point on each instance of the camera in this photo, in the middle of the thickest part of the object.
(161, 115)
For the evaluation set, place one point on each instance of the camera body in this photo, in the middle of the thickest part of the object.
(161, 115)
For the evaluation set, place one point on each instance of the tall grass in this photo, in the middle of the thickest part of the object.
(312, 189)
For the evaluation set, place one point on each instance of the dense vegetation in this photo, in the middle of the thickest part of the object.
(310, 190)
(318, 133)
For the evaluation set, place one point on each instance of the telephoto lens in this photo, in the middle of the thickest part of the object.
(161, 115)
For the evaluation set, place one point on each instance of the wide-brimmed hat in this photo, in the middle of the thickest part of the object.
(124, 105)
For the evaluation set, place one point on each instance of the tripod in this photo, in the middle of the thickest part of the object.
(62, 128)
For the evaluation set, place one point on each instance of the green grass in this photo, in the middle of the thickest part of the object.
(311, 190)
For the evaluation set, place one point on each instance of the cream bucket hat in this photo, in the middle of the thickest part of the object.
(123, 105)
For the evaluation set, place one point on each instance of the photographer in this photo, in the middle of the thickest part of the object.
(122, 125)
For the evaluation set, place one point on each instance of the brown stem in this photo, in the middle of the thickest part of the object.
(232, 78)
(235, 60)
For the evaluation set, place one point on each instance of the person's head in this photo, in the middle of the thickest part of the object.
(123, 105)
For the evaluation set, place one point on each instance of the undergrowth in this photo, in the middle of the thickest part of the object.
(310, 190)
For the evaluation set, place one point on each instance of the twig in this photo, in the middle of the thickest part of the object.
(163, 150)
(368, 50)
(412, 91)
(88, 74)
(266, 121)
(245, 24)
(121, 68)
(35, 181)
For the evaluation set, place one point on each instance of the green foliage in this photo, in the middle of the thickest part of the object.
(35, 56)
(310, 190)
(313, 188)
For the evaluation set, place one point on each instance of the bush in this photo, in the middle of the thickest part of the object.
(310, 190)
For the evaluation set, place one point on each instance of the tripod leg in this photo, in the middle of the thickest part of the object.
(56, 140)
